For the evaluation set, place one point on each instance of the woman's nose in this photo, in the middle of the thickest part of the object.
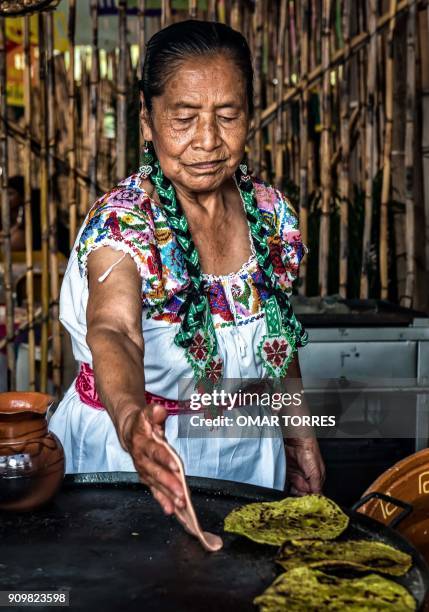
(207, 136)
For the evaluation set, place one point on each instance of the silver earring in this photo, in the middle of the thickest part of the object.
(146, 168)
(245, 177)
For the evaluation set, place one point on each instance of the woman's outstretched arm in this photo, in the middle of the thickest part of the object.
(114, 336)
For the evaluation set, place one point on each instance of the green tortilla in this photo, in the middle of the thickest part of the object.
(292, 518)
(306, 589)
(362, 555)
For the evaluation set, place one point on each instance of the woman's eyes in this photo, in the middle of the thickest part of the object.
(187, 120)
(183, 119)
(227, 119)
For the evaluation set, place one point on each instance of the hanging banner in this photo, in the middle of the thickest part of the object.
(15, 51)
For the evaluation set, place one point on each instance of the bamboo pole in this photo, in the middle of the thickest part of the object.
(62, 127)
(165, 13)
(304, 148)
(94, 87)
(280, 90)
(221, 10)
(270, 43)
(293, 70)
(357, 42)
(272, 35)
(192, 10)
(5, 210)
(51, 136)
(72, 179)
(344, 179)
(285, 111)
(84, 136)
(313, 39)
(236, 11)
(247, 25)
(336, 42)
(385, 194)
(212, 10)
(142, 43)
(258, 26)
(410, 232)
(52, 216)
(44, 204)
(305, 86)
(362, 62)
(424, 76)
(325, 178)
(121, 123)
(397, 220)
(379, 101)
(142, 33)
(29, 276)
(369, 148)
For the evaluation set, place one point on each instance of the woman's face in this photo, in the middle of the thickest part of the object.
(199, 124)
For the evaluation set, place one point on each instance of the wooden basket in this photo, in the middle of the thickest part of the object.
(15, 8)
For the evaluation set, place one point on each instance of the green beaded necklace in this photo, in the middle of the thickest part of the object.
(196, 333)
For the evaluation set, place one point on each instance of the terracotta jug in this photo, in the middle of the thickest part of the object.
(31, 458)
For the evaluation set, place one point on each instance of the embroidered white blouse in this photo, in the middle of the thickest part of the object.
(127, 220)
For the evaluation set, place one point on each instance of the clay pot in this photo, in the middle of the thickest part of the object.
(407, 480)
(31, 458)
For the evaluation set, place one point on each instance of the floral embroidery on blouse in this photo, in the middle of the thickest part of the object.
(128, 220)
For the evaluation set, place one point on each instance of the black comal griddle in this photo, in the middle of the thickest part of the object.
(108, 542)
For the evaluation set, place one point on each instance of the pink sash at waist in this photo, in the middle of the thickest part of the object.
(85, 386)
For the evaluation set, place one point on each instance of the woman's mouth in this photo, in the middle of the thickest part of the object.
(208, 165)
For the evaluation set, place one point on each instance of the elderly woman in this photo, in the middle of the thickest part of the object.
(199, 288)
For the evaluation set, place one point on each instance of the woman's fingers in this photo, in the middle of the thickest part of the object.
(316, 474)
(151, 420)
(163, 500)
(159, 454)
(154, 465)
(176, 503)
(171, 485)
(306, 470)
(316, 479)
(152, 460)
(146, 448)
(167, 498)
(297, 493)
(298, 482)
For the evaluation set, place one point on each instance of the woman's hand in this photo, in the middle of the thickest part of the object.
(305, 467)
(153, 463)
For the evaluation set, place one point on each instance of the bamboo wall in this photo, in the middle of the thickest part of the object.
(341, 125)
